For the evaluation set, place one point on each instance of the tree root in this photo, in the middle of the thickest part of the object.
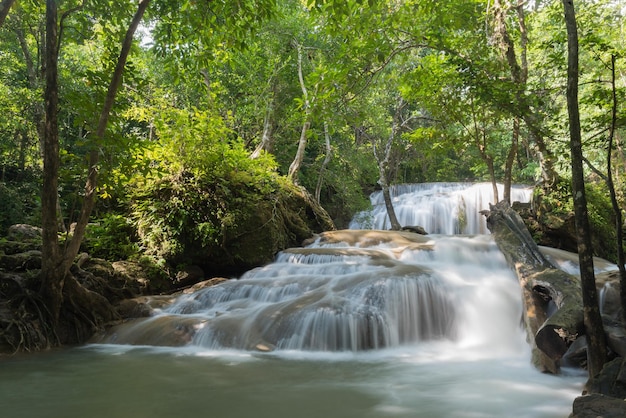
(24, 319)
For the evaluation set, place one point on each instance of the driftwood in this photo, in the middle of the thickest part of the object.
(553, 308)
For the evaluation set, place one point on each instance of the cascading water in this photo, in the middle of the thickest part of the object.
(360, 323)
(352, 291)
(440, 208)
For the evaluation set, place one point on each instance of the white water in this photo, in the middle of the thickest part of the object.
(365, 324)
(440, 208)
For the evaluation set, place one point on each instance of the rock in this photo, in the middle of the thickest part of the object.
(141, 280)
(605, 393)
(611, 381)
(416, 229)
(29, 260)
(143, 306)
(189, 275)
(598, 406)
(204, 284)
(22, 232)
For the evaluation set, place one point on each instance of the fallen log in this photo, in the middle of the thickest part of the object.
(553, 308)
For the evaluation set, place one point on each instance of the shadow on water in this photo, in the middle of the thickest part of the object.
(123, 381)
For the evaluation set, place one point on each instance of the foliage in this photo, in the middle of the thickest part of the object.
(19, 199)
(207, 80)
(206, 186)
(554, 208)
(111, 238)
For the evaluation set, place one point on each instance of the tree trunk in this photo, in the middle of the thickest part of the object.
(266, 138)
(519, 75)
(617, 210)
(391, 212)
(383, 165)
(596, 352)
(320, 179)
(73, 246)
(544, 288)
(56, 265)
(5, 5)
(510, 159)
(52, 275)
(294, 168)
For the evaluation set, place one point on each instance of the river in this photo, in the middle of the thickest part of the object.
(365, 325)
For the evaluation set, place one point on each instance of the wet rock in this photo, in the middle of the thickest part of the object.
(605, 393)
(143, 306)
(189, 275)
(206, 283)
(611, 381)
(416, 229)
(598, 406)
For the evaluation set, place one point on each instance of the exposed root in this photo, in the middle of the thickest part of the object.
(24, 319)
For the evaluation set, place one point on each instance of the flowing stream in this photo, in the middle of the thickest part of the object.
(360, 323)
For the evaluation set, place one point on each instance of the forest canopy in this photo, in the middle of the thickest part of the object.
(338, 97)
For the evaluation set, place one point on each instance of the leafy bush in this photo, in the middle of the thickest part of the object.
(112, 238)
(555, 207)
(207, 202)
(183, 212)
(19, 203)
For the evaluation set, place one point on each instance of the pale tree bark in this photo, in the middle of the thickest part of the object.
(383, 163)
(594, 330)
(296, 164)
(519, 75)
(56, 264)
(320, 178)
(266, 143)
(5, 5)
(266, 137)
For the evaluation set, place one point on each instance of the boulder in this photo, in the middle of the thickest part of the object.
(189, 275)
(605, 393)
(598, 406)
(22, 232)
(416, 229)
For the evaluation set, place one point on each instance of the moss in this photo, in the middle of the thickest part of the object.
(226, 227)
(553, 222)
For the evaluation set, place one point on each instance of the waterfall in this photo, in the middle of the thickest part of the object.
(359, 323)
(352, 290)
(361, 289)
(440, 208)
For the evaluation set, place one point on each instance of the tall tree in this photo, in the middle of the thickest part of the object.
(56, 264)
(52, 277)
(308, 101)
(5, 5)
(594, 330)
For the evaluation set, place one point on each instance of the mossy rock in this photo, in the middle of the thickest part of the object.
(224, 228)
(274, 225)
(552, 222)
